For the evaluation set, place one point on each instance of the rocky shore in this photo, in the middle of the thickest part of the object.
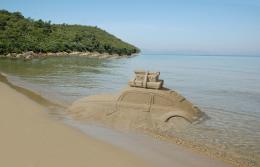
(31, 55)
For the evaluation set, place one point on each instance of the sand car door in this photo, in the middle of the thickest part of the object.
(161, 104)
(137, 101)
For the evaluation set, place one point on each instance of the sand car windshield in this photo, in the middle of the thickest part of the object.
(162, 101)
(136, 97)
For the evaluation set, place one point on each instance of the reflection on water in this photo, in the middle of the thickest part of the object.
(226, 88)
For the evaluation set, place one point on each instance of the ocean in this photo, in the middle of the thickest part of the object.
(225, 88)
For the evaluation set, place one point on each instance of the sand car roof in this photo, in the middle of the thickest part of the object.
(164, 91)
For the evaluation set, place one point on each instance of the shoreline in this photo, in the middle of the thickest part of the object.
(186, 153)
(28, 93)
(29, 137)
(31, 55)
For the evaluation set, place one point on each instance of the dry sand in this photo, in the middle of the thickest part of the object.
(29, 138)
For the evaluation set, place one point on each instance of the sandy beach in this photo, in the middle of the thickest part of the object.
(29, 138)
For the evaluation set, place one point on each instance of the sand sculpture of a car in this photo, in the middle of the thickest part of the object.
(145, 94)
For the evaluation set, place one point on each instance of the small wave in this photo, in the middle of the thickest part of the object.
(255, 116)
(30, 94)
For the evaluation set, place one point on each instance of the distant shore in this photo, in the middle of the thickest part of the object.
(31, 55)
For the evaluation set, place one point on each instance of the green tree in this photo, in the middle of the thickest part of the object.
(20, 34)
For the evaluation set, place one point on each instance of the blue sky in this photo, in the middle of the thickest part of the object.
(210, 26)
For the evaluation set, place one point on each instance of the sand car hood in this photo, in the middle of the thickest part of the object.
(93, 107)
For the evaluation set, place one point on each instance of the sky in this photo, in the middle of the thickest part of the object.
(191, 26)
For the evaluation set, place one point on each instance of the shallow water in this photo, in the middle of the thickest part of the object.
(226, 88)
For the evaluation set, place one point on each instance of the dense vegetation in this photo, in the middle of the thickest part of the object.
(19, 34)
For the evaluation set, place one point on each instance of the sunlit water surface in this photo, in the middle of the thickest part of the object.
(226, 88)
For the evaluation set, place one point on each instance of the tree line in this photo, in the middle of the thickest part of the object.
(19, 34)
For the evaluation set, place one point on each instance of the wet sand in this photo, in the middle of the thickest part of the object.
(159, 152)
(30, 138)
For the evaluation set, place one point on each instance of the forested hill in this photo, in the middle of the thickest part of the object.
(19, 34)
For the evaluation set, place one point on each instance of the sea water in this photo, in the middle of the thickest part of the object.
(226, 88)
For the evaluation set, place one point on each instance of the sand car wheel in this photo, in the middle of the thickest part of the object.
(178, 123)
